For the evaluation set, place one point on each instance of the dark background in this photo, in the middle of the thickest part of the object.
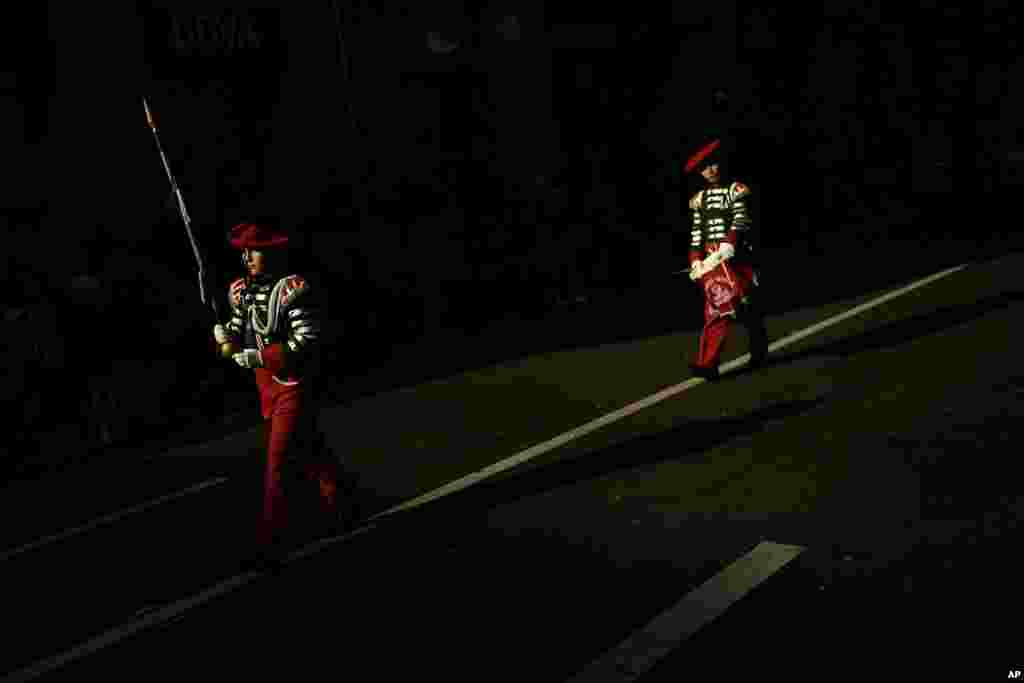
(531, 171)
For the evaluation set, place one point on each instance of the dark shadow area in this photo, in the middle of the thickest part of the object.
(670, 304)
(932, 611)
(946, 587)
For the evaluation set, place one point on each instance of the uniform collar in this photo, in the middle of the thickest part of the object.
(262, 279)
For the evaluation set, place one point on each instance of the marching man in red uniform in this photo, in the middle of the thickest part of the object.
(274, 331)
(721, 261)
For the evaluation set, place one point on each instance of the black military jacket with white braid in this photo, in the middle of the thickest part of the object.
(721, 214)
(279, 317)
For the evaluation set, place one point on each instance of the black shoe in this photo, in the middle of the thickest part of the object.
(758, 343)
(342, 523)
(266, 563)
(709, 373)
(267, 559)
(350, 515)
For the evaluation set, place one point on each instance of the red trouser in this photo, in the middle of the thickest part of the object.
(724, 289)
(299, 467)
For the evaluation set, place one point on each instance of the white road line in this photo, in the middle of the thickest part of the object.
(594, 425)
(856, 310)
(146, 617)
(157, 616)
(173, 610)
(109, 519)
(638, 653)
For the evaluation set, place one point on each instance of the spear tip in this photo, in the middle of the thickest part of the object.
(149, 115)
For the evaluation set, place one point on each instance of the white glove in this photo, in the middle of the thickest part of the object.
(696, 270)
(220, 333)
(249, 359)
(712, 261)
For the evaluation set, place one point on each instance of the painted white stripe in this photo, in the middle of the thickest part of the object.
(123, 631)
(594, 425)
(638, 653)
(173, 610)
(146, 618)
(856, 310)
(109, 519)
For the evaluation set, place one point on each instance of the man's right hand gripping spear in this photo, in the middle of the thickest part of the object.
(227, 348)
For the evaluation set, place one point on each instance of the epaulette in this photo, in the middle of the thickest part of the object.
(294, 286)
(738, 190)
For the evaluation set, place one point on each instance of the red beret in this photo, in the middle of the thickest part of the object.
(257, 236)
(701, 154)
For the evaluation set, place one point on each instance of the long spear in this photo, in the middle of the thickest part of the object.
(212, 301)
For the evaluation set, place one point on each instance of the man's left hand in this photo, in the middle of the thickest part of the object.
(249, 359)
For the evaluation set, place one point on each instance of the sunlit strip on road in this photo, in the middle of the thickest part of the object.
(604, 420)
(109, 519)
(856, 310)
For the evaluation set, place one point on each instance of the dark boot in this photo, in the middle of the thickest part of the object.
(267, 558)
(758, 335)
(758, 352)
(709, 373)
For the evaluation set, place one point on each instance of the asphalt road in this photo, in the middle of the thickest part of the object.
(885, 446)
